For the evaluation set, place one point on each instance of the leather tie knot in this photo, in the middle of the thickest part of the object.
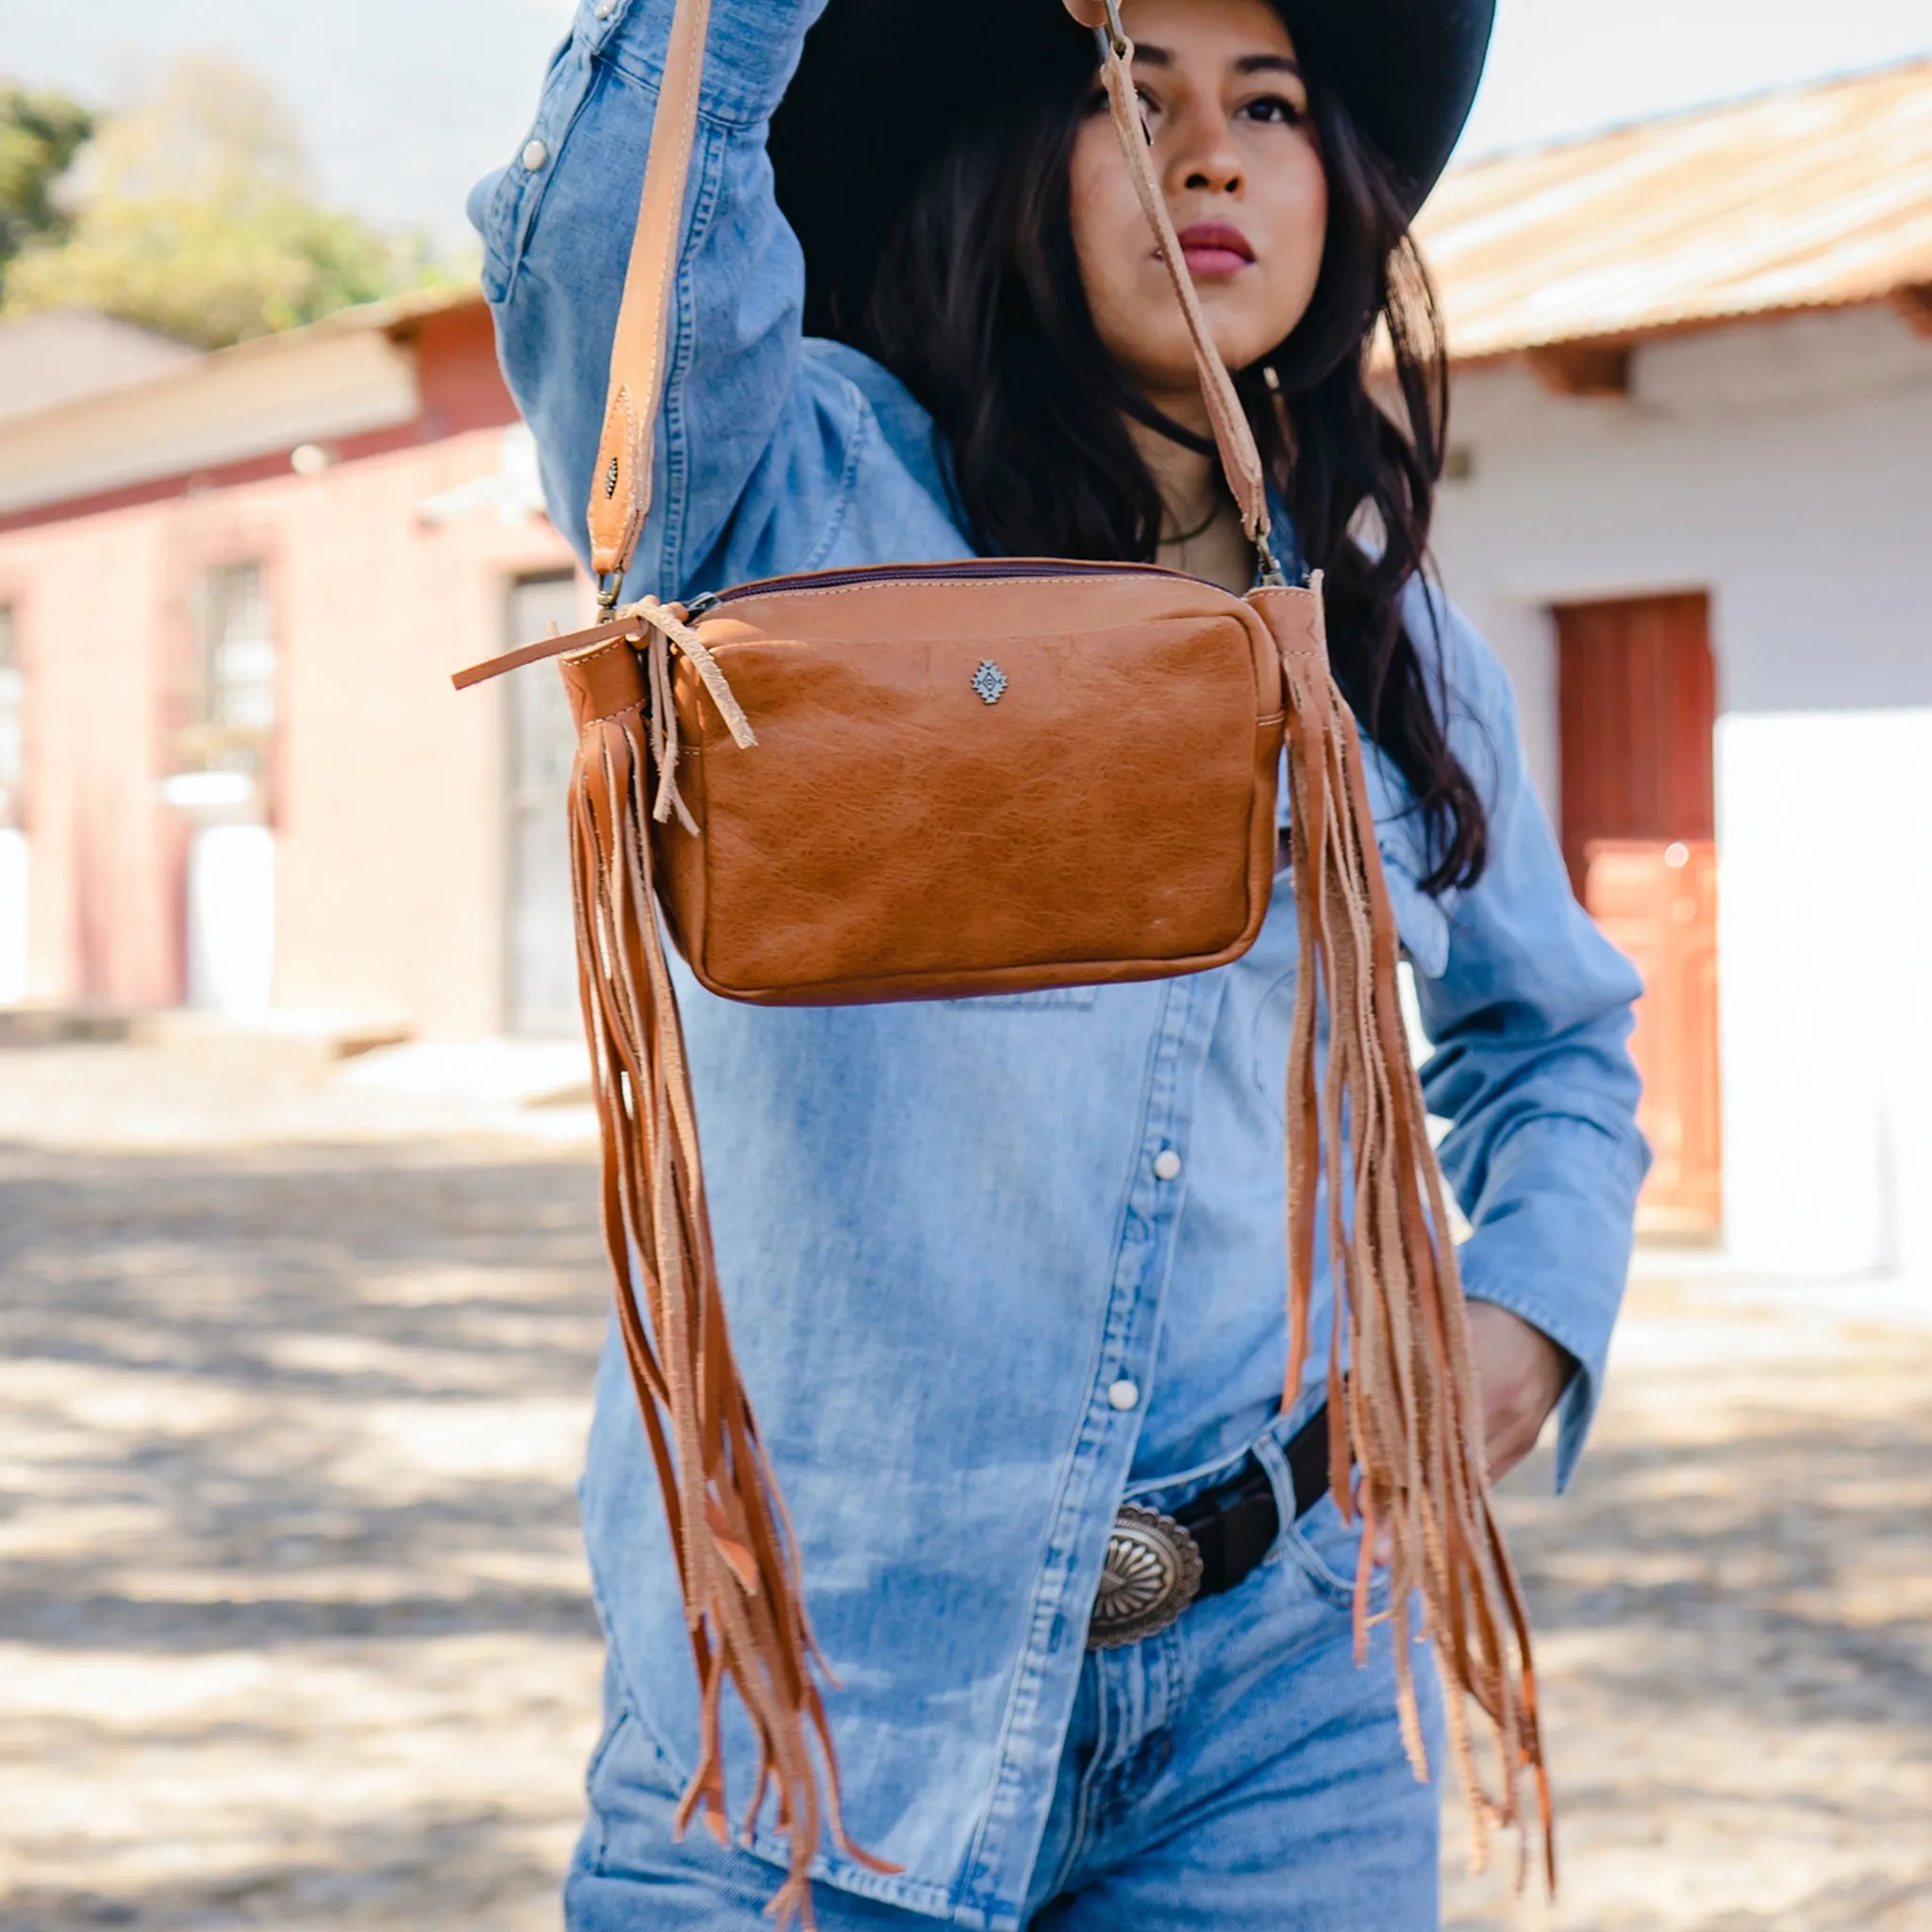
(659, 629)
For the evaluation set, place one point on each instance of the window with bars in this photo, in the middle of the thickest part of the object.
(233, 714)
(12, 721)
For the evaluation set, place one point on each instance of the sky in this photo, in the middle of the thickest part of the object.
(403, 103)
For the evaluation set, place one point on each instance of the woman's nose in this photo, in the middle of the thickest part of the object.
(1205, 157)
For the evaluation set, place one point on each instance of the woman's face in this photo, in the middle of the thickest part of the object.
(1234, 150)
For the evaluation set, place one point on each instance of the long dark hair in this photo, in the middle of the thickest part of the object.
(975, 303)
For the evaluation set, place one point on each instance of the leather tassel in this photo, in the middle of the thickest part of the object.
(1407, 1420)
(736, 1557)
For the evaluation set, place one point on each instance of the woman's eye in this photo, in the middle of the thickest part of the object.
(1277, 110)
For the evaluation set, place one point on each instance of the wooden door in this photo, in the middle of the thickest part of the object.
(1659, 904)
(1636, 695)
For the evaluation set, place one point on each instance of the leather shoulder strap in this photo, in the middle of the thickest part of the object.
(1240, 461)
(621, 483)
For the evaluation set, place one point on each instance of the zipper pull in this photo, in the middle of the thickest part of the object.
(698, 606)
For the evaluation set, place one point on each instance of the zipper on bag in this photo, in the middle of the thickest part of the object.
(962, 568)
(965, 569)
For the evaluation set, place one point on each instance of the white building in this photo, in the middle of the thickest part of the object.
(1690, 502)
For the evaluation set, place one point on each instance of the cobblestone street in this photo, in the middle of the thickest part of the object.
(293, 1624)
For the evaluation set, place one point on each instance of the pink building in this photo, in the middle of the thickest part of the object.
(1685, 499)
(232, 771)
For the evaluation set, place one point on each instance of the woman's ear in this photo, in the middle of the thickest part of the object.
(1088, 13)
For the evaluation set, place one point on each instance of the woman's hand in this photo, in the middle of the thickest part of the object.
(1523, 1374)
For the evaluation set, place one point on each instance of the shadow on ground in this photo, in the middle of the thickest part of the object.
(293, 1624)
(294, 1629)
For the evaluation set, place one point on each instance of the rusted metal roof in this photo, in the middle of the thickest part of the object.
(1812, 197)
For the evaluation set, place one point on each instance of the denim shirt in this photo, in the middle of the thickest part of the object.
(973, 1304)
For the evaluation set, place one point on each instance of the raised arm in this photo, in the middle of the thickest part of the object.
(757, 439)
(1530, 1019)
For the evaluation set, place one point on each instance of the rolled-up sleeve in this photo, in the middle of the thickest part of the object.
(1530, 1021)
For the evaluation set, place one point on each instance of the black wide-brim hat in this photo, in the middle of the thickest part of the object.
(882, 83)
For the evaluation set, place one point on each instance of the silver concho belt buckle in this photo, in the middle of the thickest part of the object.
(1151, 1574)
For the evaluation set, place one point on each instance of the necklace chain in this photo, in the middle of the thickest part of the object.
(1182, 538)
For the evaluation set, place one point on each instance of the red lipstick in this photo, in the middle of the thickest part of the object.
(1215, 249)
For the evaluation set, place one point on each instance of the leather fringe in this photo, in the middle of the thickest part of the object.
(738, 1559)
(1406, 1416)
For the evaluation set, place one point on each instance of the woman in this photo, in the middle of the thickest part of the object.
(1001, 1268)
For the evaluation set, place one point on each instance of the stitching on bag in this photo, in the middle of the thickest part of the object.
(754, 643)
(913, 583)
(947, 584)
(1182, 964)
(602, 650)
(590, 657)
(854, 589)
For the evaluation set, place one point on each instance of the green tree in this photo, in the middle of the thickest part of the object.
(39, 135)
(194, 217)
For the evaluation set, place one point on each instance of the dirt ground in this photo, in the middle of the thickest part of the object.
(294, 1625)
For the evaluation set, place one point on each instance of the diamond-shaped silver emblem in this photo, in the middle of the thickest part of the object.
(990, 681)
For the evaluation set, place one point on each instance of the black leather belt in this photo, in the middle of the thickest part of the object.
(1157, 1565)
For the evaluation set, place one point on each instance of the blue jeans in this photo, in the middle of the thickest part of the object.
(1235, 1772)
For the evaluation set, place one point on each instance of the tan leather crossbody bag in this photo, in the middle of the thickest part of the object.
(941, 780)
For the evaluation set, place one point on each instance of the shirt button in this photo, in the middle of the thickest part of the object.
(604, 9)
(1124, 1395)
(1167, 1165)
(535, 154)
